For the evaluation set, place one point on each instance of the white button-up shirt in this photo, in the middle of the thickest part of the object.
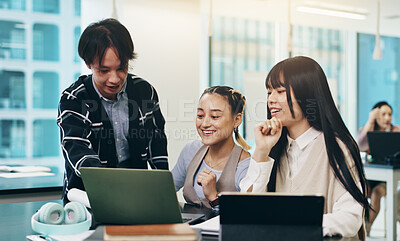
(346, 216)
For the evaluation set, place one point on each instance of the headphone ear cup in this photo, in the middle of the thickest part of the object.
(75, 212)
(51, 213)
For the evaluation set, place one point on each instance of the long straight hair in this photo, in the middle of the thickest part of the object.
(310, 87)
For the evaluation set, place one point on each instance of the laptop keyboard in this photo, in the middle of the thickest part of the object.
(190, 217)
(186, 220)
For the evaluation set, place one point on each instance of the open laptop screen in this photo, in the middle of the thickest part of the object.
(271, 209)
(383, 144)
(270, 216)
(131, 196)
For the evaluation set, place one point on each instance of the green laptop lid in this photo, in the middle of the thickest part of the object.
(131, 196)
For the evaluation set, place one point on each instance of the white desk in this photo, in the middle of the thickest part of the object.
(391, 177)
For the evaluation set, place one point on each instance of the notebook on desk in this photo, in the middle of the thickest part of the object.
(271, 216)
(383, 145)
(133, 196)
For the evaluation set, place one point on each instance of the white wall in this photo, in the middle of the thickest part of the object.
(166, 36)
(277, 10)
(256, 100)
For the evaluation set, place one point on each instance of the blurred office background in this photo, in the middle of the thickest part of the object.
(180, 53)
(38, 58)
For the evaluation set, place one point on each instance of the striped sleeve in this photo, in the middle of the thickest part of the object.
(158, 157)
(75, 129)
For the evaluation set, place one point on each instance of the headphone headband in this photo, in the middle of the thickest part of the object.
(65, 229)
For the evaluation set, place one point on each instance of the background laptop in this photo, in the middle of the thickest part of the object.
(270, 216)
(132, 196)
(382, 145)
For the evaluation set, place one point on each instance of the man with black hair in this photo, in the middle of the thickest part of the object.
(109, 118)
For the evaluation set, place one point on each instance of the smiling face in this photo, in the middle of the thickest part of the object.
(384, 118)
(214, 121)
(279, 108)
(110, 77)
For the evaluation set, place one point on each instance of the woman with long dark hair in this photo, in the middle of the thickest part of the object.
(379, 119)
(305, 147)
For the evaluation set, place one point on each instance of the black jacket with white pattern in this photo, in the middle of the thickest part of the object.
(86, 132)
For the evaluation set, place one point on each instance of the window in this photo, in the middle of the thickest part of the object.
(326, 47)
(240, 45)
(378, 79)
(77, 8)
(45, 42)
(76, 76)
(46, 6)
(12, 138)
(46, 141)
(12, 40)
(33, 72)
(77, 35)
(13, 4)
(45, 90)
(12, 90)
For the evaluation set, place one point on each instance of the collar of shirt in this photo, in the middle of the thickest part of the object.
(118, 113)
(298, 150)
(104, 98)
(304, 139)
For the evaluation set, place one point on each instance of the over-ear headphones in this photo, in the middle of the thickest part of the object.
(54, 213)
(54, 219)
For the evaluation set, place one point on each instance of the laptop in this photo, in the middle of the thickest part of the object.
(382, 145)
(270, 216)
(133, 196)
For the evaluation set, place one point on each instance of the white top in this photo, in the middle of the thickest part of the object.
(298, 150)
(347, 212)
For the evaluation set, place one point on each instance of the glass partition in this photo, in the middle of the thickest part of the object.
(378, 79)
(240, 45)
(38, 59)
(12, 40)
(13, 4)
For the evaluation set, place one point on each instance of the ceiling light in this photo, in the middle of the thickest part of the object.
(377, 50)
(332, 12)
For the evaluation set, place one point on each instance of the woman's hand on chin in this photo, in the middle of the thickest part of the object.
(266, 135)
